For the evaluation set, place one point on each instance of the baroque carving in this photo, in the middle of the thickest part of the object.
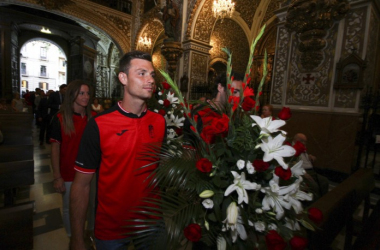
(247, 13)
(354, 31)
(54, 4)
(311, 88)
(281, 62)
(205, 23)
(171, 51)
(190, 20)
(223, 37)
(311, 19)
(159, 62)
(198, 68)
(123, 25)
(372, 50)
(273, 5)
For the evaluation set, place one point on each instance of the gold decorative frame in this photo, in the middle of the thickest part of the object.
(350, 72)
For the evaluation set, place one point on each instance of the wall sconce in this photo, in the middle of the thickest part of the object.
(145, 41)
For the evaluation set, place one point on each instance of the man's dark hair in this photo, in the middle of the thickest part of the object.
(62, 86)
(125, 61)
(222, 79)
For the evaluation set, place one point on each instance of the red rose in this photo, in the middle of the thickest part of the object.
(208, 134)
(315, 215)
(298, 243)
(260, 165)
(282, 173)
(286, 142)
(166, 103)
(274, 241)
(162, 112)
(204, 165)
(299, 147)
(248, 104)
(220, 125)
(285, 114)
(193, 232)
(213, 125)
(165, 85)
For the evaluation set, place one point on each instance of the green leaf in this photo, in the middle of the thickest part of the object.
(307, 225)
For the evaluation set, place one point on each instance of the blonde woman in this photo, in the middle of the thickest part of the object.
(67, 129)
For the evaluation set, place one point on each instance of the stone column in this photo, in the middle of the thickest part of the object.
(172, 51)
(195, 63)
(9, 59)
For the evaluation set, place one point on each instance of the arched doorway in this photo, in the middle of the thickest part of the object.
(43, 64)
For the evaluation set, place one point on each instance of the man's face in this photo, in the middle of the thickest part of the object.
(237, 85)
(63, 90)
(139, 82)
(266, 111)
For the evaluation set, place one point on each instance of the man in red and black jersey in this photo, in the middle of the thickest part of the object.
(112, 145)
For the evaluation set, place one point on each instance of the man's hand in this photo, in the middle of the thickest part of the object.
(312, 158)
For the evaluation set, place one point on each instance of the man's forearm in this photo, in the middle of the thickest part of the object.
(79, 197)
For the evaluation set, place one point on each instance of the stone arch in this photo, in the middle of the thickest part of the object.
(116, 24)
(153, 29)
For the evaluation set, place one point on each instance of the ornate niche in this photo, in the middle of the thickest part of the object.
(350, 72)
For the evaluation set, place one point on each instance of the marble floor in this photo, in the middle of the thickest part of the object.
(49, 232)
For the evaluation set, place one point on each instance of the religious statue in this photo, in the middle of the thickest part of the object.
(170, 17)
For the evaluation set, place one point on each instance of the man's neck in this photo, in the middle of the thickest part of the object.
(136, 108)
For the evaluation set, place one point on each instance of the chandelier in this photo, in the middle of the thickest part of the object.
(145, 41)
(223, 8)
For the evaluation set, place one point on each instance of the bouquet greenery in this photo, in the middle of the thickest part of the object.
(236, 185)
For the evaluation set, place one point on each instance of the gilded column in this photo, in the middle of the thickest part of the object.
(196, 59)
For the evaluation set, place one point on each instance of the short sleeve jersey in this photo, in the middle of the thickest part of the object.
(69, 144)
(114, 145)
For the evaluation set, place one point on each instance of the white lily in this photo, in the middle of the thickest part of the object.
(297, 169)
(240, 186)
(292, 224)
(296, 195)
(273, 148)
(234, 222)
(171, 98)
(267, 125)
(176, 121)
(274, 197)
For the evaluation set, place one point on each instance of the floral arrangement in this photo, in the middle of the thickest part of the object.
(166, 103)
(235, 185)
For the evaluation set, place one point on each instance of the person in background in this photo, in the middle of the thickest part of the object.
(96, 106)
(318, 184)
(111, 147)
(42, 116)
(55, 99)
(17, 103)
(67, 129)
(37, 99)
(266, 111)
